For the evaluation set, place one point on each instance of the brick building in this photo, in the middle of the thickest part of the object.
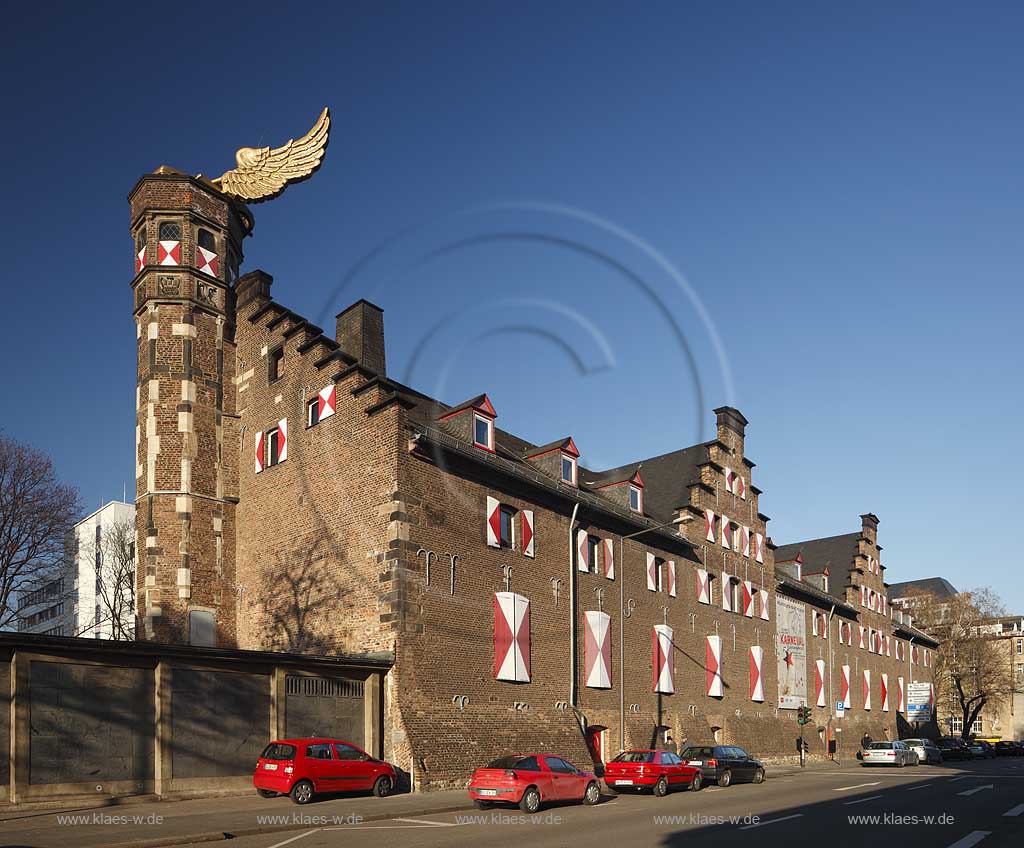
(292, 497)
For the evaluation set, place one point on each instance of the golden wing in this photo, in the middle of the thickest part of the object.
(264, 173)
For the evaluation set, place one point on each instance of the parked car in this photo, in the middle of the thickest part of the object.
(954, 748)
(982, 750)
(302, 768)
(530, 780)
(658, 771)
(926, 750)
(723, 764)
(1008, 748)
(888, 754)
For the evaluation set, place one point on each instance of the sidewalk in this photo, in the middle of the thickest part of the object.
(151, 824)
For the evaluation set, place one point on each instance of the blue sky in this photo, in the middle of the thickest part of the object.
(610, 220)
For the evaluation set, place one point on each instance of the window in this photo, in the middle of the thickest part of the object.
(1020, 672)
(483, 432)
(277, 751)
(275, 363)
(346, 752)
(977, 726)
(956, 725)
(635, 757)
(559, 765)
(312, 412)
(636, 499)
(320, 751)
(1020, 646)
(735, 587)
(593, 543)
(508, 524)
(824, 582)
(170, 231)
(206, 240)
(272, 450)
(568, 469)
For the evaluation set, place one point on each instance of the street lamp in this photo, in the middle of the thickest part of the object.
(682, 519)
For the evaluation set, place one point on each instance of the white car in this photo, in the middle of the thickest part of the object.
(889, 754)
(926, 750)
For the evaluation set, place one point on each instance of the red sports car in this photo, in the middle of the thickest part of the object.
(300, 768)
(530, 780)
(659, 771)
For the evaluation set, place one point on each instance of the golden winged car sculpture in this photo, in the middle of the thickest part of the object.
(265, 172)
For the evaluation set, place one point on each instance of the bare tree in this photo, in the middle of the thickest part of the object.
(971, 666)
(36, 513)
(114, 559)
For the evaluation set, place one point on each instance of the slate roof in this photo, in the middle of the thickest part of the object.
(836, 552)
(938, 586)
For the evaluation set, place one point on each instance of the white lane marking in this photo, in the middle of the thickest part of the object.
(771, 821)
(971, 839)
(962, 777)
(428, 821)
(861, 800)
(977, 789)
(858, 786)
(295, 838)
(922, 786)
(1015, 811)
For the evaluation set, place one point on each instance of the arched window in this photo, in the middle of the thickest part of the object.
(169, 247)
(206, 252)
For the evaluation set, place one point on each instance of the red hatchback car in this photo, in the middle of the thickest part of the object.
(659, 771)
(300, 768)
(530, 780)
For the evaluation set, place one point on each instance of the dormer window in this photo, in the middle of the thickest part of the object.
(483, 432)
(824, 582)
(636, 498)
(568, 469)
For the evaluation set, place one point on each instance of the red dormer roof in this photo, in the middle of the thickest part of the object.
(566, 445)
(481, 404)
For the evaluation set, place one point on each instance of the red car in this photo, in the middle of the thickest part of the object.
(530, 780)
(659, 771)
(300, 768)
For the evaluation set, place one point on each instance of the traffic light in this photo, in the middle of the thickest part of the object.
(803, 715)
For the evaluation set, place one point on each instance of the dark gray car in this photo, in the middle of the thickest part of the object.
(724, 764)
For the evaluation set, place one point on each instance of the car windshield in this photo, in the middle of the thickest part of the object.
(881, 746)
(635, 757)
(505, 762)
(697, 753)
(277, 751)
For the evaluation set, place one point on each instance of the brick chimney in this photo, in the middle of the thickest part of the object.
(360, 333)
(252, 287)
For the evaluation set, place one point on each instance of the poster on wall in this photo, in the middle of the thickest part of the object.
(791, 649)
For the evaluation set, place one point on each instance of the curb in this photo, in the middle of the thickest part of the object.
(218, 836)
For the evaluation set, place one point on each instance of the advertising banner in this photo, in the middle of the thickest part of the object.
(791, 648)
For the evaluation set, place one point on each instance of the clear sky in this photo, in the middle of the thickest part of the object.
(611, 220)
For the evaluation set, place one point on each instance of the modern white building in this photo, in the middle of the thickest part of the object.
(95, 594)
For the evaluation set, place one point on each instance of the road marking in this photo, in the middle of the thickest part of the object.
(1015, 811)
(428, 821)
(971, 839)
(858, 786)
(771, 821)
(915, 788)
(976, 790)
(962, 777)
(294, 838)
(861, 800)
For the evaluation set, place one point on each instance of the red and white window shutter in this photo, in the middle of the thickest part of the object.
(726, 532)
(713, 666)
(867, 689)
(652, 573)
(493, 522)
(740, 487)
(140, 259)
(511, 637)
(863, 596)
(327, 402)
(663, 659)
(597, 650)
(861, 626)
(759, 547)
(765, 615)
(814, 623)
(819, 682)
(748, 598)
(885, 693)
(582, 551)
(169, 253)
(527, 532)
(844, 692)
(745, 541)
(849, 633)
(709, 525)
(608, 546)
(671, 566)
(756, 679)
(899, 695)
(726, 592)
(927, 658)
(282, 440)
(259, 451)
(730, 481)
(206, 261)
(703, 586)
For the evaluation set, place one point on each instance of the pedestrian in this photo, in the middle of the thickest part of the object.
(670, 744)
(865, 741)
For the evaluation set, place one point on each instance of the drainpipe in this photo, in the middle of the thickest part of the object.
(621, 577)
(572, 611)
(831, 654)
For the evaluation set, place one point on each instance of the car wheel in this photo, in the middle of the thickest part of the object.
(592, 795)
(900, 763)
(530, 802)
(725, 778)
(482, 805)
(696, 783)
(302, 792)
(660, 788)
(266, 793)
(759, 776)
(382, 786)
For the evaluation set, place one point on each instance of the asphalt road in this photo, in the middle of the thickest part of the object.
(955, 806)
